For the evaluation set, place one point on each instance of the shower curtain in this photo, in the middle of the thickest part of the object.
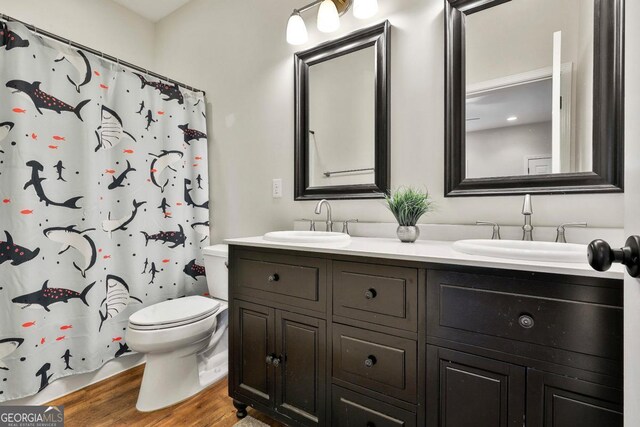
(103, 205)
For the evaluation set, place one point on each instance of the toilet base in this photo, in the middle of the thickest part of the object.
(170, 378)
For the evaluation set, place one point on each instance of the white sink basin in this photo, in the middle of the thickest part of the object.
(307, 237)
(528, 251)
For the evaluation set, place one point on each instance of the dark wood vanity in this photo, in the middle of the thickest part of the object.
(325, 339)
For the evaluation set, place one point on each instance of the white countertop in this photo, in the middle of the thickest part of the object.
(431, 251)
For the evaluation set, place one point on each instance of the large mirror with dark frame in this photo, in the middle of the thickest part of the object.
(342, 117)
(534, 96)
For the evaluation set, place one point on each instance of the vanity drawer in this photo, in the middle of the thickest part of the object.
(385, 363)
(523, 316)
(350, 409)
(294, 280)
(381, 294)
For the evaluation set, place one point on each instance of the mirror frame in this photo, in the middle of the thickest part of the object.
(377, 36)
(608, 111)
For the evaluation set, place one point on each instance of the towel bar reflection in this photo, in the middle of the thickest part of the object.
(328, 174)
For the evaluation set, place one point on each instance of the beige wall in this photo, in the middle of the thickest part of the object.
(236, 50)
(100, 24)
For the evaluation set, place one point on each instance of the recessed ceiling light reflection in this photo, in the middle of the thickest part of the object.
(512, 118)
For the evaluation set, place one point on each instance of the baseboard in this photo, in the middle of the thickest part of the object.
(73, 383)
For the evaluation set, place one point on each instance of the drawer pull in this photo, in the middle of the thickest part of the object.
(526, 321)
(273, 278)
(370, 361)
(370, 293)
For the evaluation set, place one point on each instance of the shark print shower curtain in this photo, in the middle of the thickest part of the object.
(103, 206)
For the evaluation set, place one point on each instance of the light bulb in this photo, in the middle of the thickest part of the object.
(328, 18)
(363, 9)
(296, 30)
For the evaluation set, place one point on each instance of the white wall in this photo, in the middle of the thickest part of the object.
(108, 27)
(100, 24)
(502, 151)
(236, 51)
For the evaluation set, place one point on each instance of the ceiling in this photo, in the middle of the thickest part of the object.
(529, 102)
(153, 10)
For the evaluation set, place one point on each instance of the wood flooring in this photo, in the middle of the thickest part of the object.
(112, 402)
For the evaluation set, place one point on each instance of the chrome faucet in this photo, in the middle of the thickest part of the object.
(527, 211)
(496, 229)
(319, 210)
(560, 235)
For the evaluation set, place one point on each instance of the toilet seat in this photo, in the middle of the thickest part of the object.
(174, 313)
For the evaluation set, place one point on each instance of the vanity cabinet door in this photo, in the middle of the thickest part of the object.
(253, 335)
(464, 390)
(301, 371)
(558, 401)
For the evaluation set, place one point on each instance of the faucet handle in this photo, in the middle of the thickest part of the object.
(560, 235)
(527, 207)
(312, 223)
(496, 228)
(345, 225)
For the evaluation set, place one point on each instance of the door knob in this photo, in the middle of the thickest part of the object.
(601, 255)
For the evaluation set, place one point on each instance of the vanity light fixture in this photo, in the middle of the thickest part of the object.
(328, 19)
(512, 118)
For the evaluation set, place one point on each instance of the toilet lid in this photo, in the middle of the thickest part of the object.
(181, 310)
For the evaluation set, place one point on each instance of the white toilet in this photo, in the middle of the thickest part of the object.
(185, 339)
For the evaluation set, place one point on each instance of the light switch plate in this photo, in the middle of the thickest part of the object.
(276, 188)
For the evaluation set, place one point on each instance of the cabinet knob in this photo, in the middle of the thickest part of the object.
(370, 424)
(370, 361)
(273, 360)
(370, 293)
(273, 278)
(601, 255)
(526, 321)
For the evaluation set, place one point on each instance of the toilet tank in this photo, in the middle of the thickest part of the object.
(215, 264)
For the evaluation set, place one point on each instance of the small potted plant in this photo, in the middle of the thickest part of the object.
(408, 205)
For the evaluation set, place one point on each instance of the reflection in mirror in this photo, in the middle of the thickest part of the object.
(529, 88)
(341, 120)
(342, 117)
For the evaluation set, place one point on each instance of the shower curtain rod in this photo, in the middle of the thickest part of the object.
(98, 53)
